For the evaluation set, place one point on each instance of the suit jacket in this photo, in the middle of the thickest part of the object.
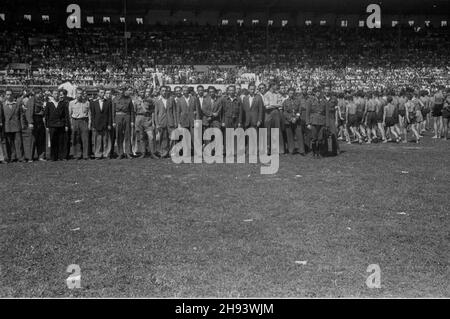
(57, 116)
(187, 112)
(11, 117)
(231, 110)
(166, 116)
(35, 107)
(22, 102)
(291, 107)
(208, 108)
(303, 101)
(250, 115)
(101, 119)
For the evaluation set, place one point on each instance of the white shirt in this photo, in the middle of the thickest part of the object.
(164, 102)
(201, 101)
(52, 100)
(100, 102)
(250, 100)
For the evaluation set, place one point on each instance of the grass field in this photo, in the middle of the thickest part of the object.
(151, 228)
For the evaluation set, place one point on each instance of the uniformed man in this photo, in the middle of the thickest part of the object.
(123, 120)
(145, 128)
(334, 114)
(317, 120)
(304, 99)
(291, 117)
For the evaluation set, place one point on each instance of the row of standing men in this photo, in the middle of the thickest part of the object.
(54, 126)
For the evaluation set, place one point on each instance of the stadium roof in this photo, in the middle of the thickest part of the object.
(334, 6)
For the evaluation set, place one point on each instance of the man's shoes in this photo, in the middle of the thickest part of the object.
(42, 160)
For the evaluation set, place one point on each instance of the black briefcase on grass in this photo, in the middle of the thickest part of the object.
(329, 144)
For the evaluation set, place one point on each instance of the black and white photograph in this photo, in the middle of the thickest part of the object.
(222, 154)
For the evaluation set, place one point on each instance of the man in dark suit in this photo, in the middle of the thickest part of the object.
(210, 110)
(11, 123)
(187, 110)
(112, 132)
(101, 119)
(204, 107)
(231, 110)
(252, 109)
(26, 131)
(166, 120)
(35, 119)
(57, 120)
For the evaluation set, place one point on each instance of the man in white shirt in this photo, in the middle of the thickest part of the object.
(272, 103)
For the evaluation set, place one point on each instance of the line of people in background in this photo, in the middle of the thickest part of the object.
(126, 123)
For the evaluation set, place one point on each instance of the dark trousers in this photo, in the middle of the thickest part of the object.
(80, 138)
(294, 137)
(38, 138)
(14, 145)
(317, 136)
(112, 141)
(164, 140)
(123, 134)
(306, 135)
(68, 143)
(248, 149)
(57, 143)
(26, 140)
(274, 120)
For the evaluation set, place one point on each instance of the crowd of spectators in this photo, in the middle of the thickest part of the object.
(344, 57)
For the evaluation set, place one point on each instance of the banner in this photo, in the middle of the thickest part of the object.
(222, 87)
(70, 88)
